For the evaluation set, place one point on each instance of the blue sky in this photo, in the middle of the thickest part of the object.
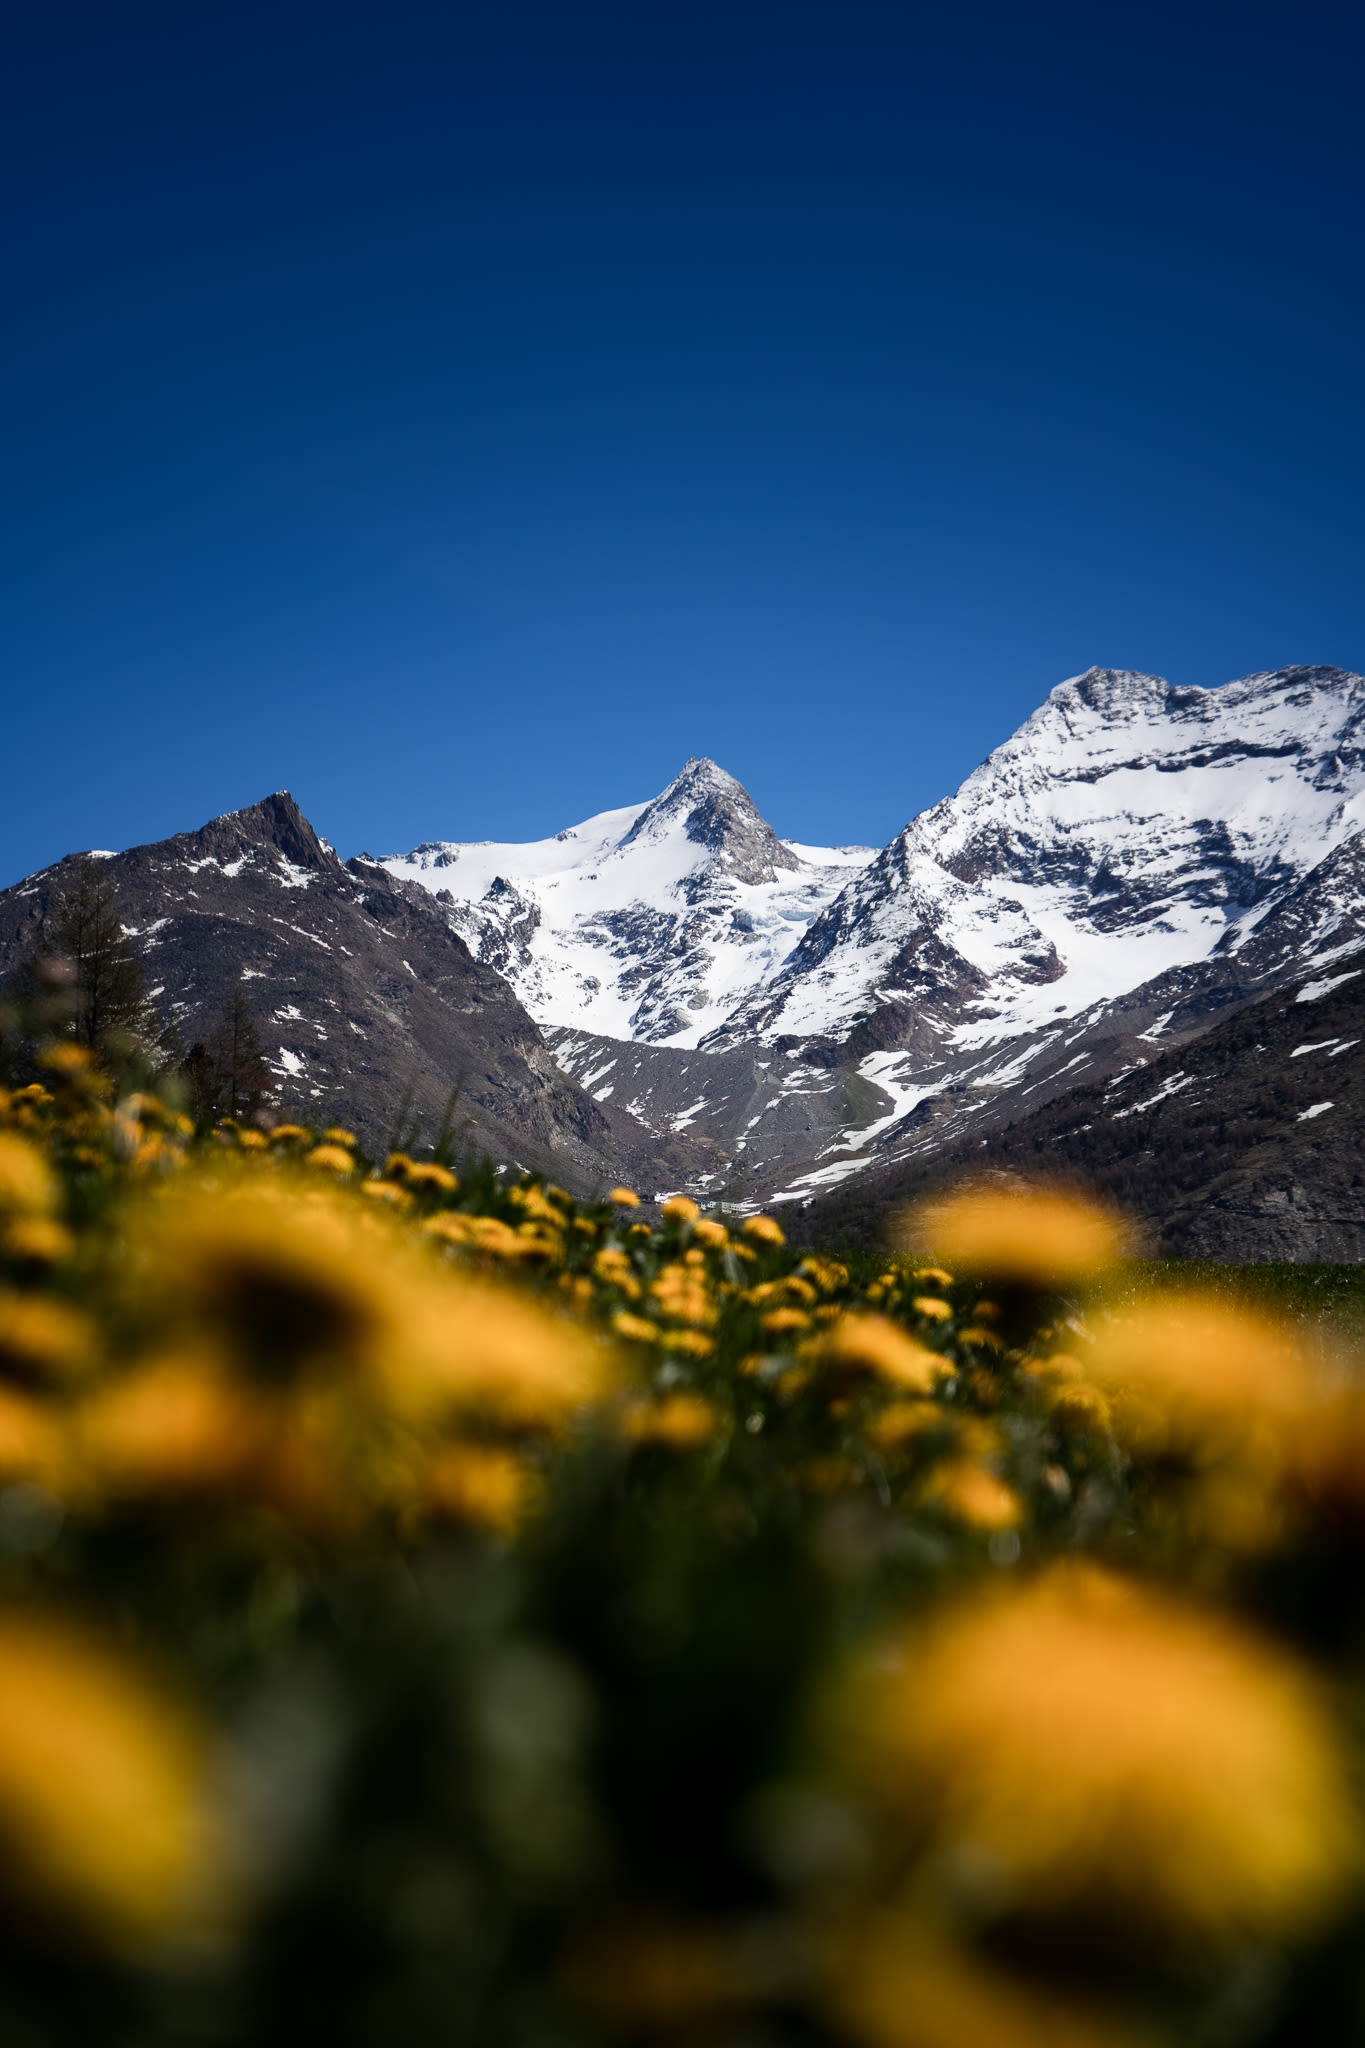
(459, 416)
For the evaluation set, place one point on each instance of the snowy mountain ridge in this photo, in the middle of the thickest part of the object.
(1132, 861)
(651, 922)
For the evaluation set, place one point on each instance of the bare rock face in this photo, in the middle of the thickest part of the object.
(371, 1009)
(716, 812)
(1240, 1145)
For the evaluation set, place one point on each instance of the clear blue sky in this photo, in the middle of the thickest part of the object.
(460, 415)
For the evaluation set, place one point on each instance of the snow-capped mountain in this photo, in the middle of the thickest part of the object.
(652, 922)
(1133, 862)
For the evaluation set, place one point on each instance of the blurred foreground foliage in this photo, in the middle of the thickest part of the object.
(434, 1610)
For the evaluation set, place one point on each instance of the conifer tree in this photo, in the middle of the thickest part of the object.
(83, 941)
(226, 1072)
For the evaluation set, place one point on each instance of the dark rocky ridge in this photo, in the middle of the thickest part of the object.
(368, 1003)
(1210, 1145)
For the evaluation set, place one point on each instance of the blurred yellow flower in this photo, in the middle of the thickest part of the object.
(33, 1442)
(691, 1343)
(1109, 1752)
(1029, 1236)
(27, 1183)
(930, 1306)
(635, 1328)
(682, 1420)
(624, 1198)
(710, 1233)
(40, 1239)
(682, 1293)
(467, 1347)
(896, 1985)
(678, 1209)
(176, 1425)
(972, 1495)
(283, 1277)
(779, 1320)
(901, 1423)
(876, 1346)
(101, 1785)
(482, 1484)
(764, 1230)
(331, 1158)
(1185, 1360)
(43, 1339)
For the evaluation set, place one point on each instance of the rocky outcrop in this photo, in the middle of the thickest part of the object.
(374, 1014)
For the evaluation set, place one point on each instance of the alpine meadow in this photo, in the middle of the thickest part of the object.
(682, 1025)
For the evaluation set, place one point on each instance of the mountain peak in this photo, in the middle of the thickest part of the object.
(275, 823)
(716, 812)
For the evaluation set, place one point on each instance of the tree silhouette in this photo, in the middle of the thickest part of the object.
(83, 949)
(226, 1072)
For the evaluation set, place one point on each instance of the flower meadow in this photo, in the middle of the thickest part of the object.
(437, 1610)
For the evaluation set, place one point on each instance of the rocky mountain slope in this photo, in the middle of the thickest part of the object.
(369, 1005)
(1135, 862)
(1243, 1144)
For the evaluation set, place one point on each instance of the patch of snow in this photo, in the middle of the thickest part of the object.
(1316, 1110)
(1314, 991)
(1167, 1088)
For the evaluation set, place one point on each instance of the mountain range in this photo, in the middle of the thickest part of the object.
(671, 990)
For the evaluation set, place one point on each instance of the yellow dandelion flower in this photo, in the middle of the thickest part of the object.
(778, 1320)
(28, 1185)
(898, 1986)
(932, 1276)
(634, 1328)
(387, 1192)
(690, 1343)
(283, 1279)
(1185, 1360)
(467, 1347)
(764, 1230)
(290, 1134)
(875, 1345)
(711, 1234)
(42, 1339)
(678, 1209)
(970, 1494)
(335, 1134)
(1030, 1236)
(101, 1785)
(901, 1423)
(1078, 1407)
(330, 1158)
(175, 1425)
(38, 1240)
(930, 1305)
(683, 1294)
(33, 1443)
(481, 1484)
(683, 1421)
(426, 1173)
(624, 1198)
(1111, 1751)
(253, 1141)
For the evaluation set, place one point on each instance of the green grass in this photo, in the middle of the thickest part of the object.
(1330, 1298)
